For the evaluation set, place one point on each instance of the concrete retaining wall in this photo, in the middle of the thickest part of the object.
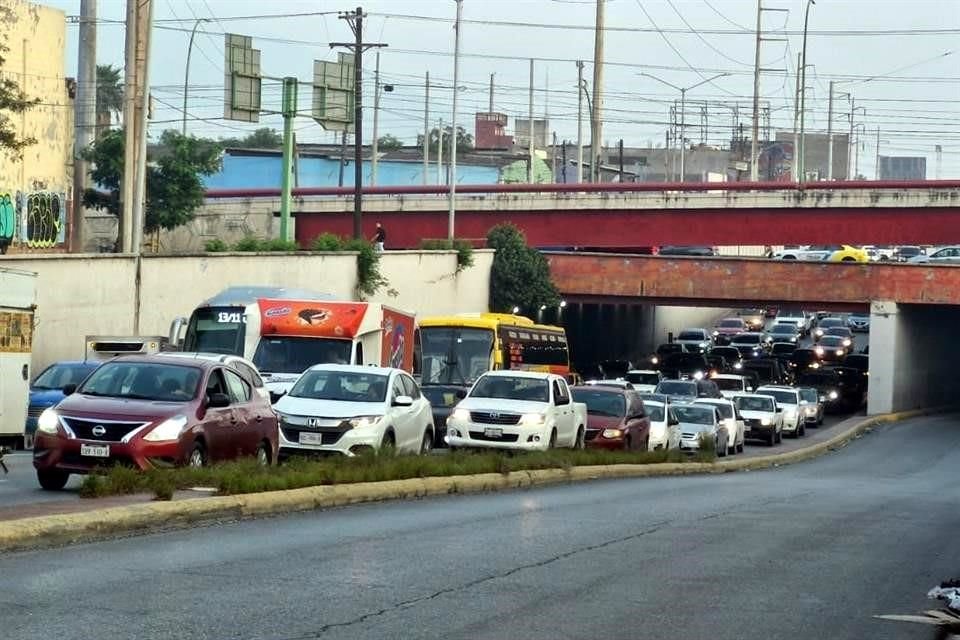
(80, 295)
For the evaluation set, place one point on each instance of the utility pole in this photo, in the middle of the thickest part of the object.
(490, 110)
(803, 94)
(358, 46)
(553, 157)
(454, 138)
(796, 121)
(596, 116)
(877, 170)
(137, 217)
(530, 146)
(85, 114)
(440, 152)
(343, 155)
(830, 134)
(124, 223)
(938, 150)
(683, 134)
(755, 121)
(850, 142)
(289, 112)
(620, 156)
(580, 90)
(375, 145)
(426, 128)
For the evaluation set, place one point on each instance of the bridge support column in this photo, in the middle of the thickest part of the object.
(886, 341)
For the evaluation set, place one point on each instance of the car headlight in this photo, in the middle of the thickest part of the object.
(818, 332)
(461, 415)
(819, 351)
(847, 342)
(790, 413)
(834, 395)
(532, 419)
(612, 433)
(811, 411)
(716, 333)
(698, 375)
(655, 360)
(738, 365)
(822, 398)
(48, 422)
(793, 339)
(169, 429)
(766, 422)
(362, 422)
(840, 352)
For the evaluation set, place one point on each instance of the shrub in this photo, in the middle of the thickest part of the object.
(216, 246)
(249, 243)
(369, 278)
(327, 242)
(463, 248)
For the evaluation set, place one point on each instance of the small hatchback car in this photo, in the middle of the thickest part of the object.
(151, 411)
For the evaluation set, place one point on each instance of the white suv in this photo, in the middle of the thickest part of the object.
(349, 409)
(790, 405)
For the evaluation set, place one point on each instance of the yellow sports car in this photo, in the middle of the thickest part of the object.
(847, 253)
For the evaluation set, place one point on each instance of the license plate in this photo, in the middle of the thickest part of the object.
(311, 438)
(95, 450)
(493, 433)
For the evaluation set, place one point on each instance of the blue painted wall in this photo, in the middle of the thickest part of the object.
(263, 172)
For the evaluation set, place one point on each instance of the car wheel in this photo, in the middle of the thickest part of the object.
(820, 420)
(721, 451)
(848, 259)
(740, 448)
(426, 443)
(388, 443)
(52, 479)
(198, 456)
(772, 439)
(263, 455)
(553, 440)
(780, 436)
(581, 441)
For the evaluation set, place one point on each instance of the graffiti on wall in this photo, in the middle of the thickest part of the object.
(44, 218)
(8, 220)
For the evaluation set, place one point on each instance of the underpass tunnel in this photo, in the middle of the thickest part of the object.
(913, 354)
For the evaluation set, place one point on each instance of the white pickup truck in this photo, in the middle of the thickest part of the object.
(518, 410)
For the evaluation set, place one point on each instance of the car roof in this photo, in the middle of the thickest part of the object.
(199, 355)
(755, 395)
(75, 363)
(511, 373)
(728, 376)
(612, 385)
(779, 387)
(354, 368)
(712, 401)
(158, 358)
(643, 371)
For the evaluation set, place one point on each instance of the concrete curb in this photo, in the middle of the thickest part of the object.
(57, 530)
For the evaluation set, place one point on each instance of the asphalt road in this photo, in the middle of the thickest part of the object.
(807, 551)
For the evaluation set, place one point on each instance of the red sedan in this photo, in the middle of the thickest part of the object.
(615, 417)
(145, 412)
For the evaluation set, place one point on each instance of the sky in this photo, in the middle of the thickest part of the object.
(899, 59)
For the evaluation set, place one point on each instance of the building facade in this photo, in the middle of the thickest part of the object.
(36, 187)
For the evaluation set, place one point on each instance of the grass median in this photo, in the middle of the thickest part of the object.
(246, 476)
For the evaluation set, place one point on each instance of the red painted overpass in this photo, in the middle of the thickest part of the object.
(726, 282)
(612, 215)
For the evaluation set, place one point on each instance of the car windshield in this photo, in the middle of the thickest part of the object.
(818, 379)
(754, 403)
(653, 397)
(143, 381)
(691, 335)
(636, 377)
(858, 362)
(343, 386)
(827, 323)
(839, 331)
(57, 376)
(747, 338)
(810, 395)
(729, 384)
(725, 410)
(729, 353)
(455, 355)
(694, 414)
(731, 323)
(654, 411)
(803, 356)
(296, 354)
(780, 348)
(677, 388)
(782, 395)
(832, 341)
(511, 388)
(860, 316)
(602, 403)
(789, 329)
(749, 312)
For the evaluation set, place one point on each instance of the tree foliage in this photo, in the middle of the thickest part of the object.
(262, 138)
(13, 100)
(389, 143)
(520, 276)
(109, 96)
(464, 139)
(174, 188)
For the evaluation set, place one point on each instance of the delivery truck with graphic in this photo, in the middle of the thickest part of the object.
(17, 305)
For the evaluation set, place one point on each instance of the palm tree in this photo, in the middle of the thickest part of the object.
(109, 96)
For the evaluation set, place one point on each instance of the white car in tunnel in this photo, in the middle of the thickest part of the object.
(700, 422)
(790, 406)
(732, 420)
(761, 419)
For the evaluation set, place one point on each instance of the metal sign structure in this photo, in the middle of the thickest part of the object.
(242, 79)
(333, 95)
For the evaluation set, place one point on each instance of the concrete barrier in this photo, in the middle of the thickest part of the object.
(57, 530)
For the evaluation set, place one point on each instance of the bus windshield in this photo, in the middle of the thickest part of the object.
(296, 354)
(216, 330)
(455, 355)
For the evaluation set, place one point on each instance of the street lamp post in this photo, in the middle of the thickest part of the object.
(803, 94)
(683, 122)
(186, 72)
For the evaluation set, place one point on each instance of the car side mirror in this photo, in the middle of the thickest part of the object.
(403, 401)
(275, 396)
(218, 400)
(69, 390)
